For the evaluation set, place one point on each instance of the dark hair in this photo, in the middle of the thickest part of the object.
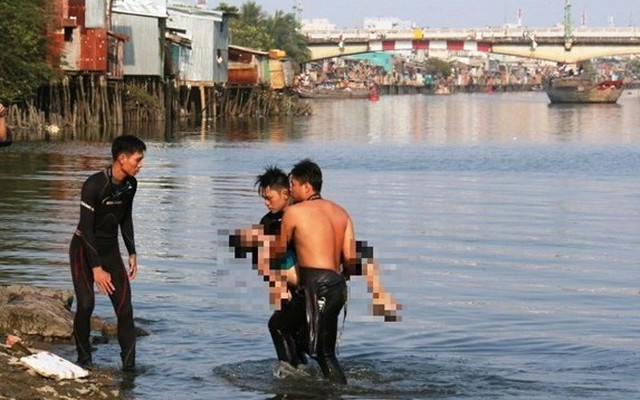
(306, 171)
(274, 178)
(127, 144)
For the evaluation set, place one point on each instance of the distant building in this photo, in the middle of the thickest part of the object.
(386, 24)
(318, 24)
(205, 63)
(371, 24)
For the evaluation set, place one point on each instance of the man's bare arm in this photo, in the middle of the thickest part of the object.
(349, 255)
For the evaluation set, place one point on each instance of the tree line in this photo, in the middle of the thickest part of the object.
(252, 27)
(24, 48)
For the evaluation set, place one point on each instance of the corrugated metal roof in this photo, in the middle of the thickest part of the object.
(248, 50)
(150, 8)
(191, 9)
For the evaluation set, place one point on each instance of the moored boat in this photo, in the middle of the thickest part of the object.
(334, 91)
(576, 89)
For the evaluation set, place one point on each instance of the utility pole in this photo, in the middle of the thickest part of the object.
(568, 34)
(506, 11)
(519, 17)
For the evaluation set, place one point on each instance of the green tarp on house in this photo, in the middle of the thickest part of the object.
(381, 59)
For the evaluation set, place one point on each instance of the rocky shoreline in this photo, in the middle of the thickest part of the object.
(19, 382)
(41, 317)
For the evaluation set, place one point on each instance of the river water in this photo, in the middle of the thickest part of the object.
(508, 228)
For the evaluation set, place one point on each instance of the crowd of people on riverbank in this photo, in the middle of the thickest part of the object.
(405, 73)
(484, 75)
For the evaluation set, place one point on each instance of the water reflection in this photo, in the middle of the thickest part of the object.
(473, 119)
(464, 119)
(101, 134)
(588, 122)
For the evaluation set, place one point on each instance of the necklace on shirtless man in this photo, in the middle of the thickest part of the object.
(315, 196)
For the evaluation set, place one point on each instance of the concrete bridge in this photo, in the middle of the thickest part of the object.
(554, 44)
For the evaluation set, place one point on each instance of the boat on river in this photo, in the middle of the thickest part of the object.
(330, 90)
(577, 89)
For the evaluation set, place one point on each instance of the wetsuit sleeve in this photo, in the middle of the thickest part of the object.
(126, 226)
(271, 223)
(89, 198)
(364, 254)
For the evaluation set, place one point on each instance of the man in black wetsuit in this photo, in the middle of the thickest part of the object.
(323, 235)
(105, 205)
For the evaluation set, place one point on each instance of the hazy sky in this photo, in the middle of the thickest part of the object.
(458, 13)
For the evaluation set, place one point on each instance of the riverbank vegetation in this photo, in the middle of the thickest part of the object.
(253, 28)
(24, 64)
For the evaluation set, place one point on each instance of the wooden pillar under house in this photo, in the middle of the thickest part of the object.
(203, 103)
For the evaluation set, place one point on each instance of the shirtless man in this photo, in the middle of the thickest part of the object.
(323, 235)
(287, 325)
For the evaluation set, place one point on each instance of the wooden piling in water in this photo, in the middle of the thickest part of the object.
(94, 100)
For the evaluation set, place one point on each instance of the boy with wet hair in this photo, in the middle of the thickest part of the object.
(287, 325)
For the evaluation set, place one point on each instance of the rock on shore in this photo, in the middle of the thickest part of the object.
(36, 311)
(40, 315)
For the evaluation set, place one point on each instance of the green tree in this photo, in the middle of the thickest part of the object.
(23, 48)
(255, 29)
(247, 28)
(437, 68)
(251, 13)
(284, 29)
(224, 7)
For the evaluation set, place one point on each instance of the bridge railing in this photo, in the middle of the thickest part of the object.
(501, 32)
(625, 32)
